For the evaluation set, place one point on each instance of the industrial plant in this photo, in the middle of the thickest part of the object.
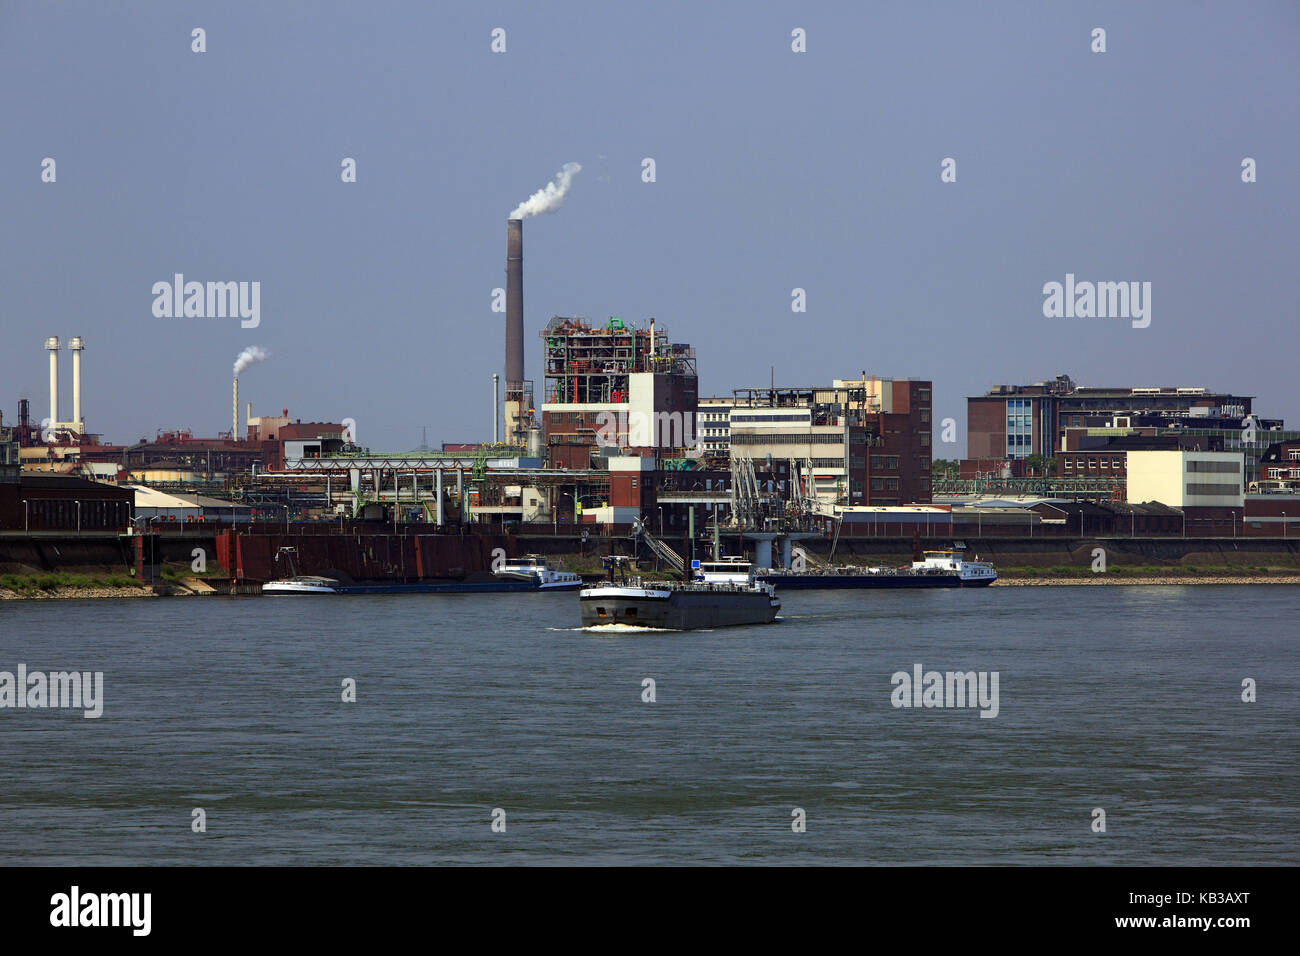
(619, 447)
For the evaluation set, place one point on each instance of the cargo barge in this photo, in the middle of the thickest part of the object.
(675, 605)
(934, 569)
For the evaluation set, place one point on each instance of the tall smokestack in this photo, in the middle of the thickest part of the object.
(496, 408)
(234, 414)
(514, 406)
(77, 345)
(514, 303)
(52, 344)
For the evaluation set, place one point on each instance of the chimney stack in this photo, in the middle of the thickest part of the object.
(514, 302)
(514, 324)
(77, 345)
(52, 344)
(234, 414)
(496, 409)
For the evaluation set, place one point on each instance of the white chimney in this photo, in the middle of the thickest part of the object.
(52, 344)
(77, 345)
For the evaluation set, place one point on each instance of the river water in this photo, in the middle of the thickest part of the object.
(1123, 699)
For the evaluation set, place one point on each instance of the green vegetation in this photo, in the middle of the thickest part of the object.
(31, 584)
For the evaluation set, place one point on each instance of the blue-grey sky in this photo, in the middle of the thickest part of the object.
(775, 170)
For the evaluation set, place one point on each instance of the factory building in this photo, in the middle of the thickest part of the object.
(867, 441)
(1014, 421)
(713, 425)
(154, 505)
(1279, 466)
(614, 390)
(1187, 479)
(1103, 452)
(63, 503)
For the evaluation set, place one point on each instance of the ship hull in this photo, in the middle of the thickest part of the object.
(837, 582)
(419, 587)
(676, 610)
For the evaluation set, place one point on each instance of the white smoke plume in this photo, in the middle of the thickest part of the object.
(550, 196)
(250, 356)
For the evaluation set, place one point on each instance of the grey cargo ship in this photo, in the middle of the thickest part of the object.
(682, 606)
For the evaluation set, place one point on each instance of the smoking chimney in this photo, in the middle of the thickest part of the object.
(514, 324)
(52, 344)
(77, 345)
(234, 414)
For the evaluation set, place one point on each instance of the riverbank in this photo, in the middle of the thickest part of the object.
(76, 594)
(76, 587)
(63, 586)
(1134, 579)
(1147, 575)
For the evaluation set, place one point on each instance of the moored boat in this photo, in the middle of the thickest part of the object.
(534, 569)
(934, 569)
(302, 584)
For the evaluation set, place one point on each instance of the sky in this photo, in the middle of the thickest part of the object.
(775, 170)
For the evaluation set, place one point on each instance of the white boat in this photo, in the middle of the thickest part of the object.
(302, 584)
(969, 573)
(534, 568)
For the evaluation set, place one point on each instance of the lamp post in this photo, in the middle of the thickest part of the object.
(1284, 525)
(26, 523)
(78, 504)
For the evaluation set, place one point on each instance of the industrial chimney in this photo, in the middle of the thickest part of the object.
(234, 414)
(514, 325)
(52, 344)
(77, 345)
(496, 408)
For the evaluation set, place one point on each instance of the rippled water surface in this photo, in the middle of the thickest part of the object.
(1126, 699)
